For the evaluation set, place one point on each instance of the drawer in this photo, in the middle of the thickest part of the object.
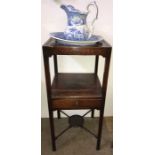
(76, 103)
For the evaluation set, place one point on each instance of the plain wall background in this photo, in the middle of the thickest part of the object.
(54, 20)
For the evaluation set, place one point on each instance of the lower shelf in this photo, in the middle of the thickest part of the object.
(76, 91)
(76, 85)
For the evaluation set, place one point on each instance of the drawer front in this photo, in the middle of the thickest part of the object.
(76, 103)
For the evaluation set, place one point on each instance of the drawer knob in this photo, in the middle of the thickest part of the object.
(76, 103)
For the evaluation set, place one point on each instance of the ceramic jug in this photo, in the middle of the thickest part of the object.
(77, 27)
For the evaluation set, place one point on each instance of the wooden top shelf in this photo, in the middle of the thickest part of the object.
(52, 42)
(51, 47)
(76, 85)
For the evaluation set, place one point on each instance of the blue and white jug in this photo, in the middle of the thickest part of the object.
(77, 27)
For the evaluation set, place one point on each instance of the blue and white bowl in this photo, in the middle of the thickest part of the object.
(61, 38)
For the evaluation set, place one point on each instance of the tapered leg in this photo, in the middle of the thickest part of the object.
(100, 129)
(52, 130)
(92, 113)
(58, 114)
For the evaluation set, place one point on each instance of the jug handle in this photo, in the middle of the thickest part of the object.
(96, 17)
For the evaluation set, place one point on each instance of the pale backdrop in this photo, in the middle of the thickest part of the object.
(54, 20)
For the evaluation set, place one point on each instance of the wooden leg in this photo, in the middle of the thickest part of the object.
(96, 64)
(92, 113)
(100, 129)
(111, 144)
(58, 114)
(52, 130)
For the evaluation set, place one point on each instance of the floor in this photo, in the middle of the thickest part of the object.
(77, 141)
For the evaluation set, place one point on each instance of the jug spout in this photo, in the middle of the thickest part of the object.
(71, 9)
(65, 8)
